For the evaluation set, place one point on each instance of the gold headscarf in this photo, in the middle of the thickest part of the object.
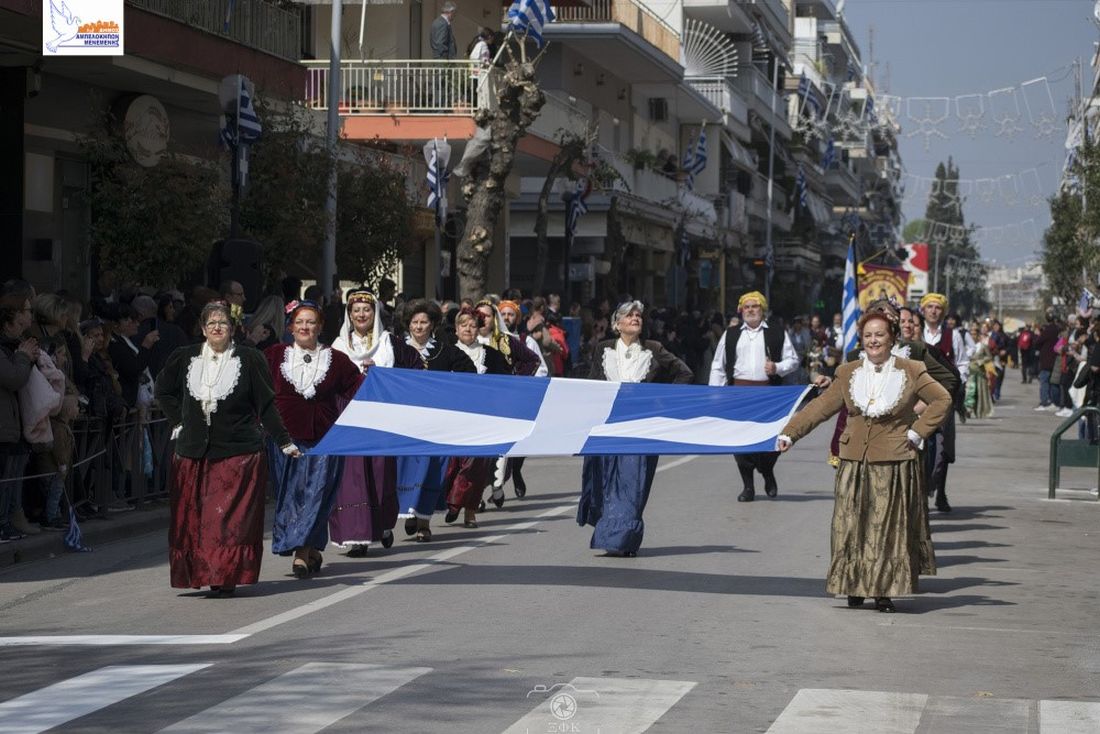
(498, 338)
(937, 298)
(753, 296)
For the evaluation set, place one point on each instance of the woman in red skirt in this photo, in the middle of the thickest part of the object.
(217, 395)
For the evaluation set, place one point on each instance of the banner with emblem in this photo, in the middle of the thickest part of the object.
(880, 281)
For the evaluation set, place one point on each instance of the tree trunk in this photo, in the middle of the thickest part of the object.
(572, 149)
(484, 192)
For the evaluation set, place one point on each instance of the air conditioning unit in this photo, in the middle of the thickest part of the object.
(658, 109)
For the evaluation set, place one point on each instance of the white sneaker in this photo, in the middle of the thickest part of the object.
(1064, 413)
(1041, 408)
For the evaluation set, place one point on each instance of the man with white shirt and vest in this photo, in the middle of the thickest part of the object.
(941, 446)
(754, 353)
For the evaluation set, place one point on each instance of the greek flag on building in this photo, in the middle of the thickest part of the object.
(527, 17)
(437, 187)
(850, 309)
(578, 205)
(414, 413)
(800, 181)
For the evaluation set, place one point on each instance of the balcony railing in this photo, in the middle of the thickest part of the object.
(722, 94)
(405, 87)
(253, 23)
(559, 114)
(633, 15)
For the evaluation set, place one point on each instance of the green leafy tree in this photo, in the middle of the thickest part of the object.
(955, 262)
(1065, 252)
(152, 226)
(374, 218)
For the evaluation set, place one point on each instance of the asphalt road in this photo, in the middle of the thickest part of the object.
(721, 624)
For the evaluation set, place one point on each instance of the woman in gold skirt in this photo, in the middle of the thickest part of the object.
(880, 538)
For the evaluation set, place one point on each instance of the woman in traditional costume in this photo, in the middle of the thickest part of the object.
(522, 359)
(467, 476)
(217, 395)
(880, 538)
(312, 384)
(420, 479)
(366, 500)
(615, 489)
(980, 373)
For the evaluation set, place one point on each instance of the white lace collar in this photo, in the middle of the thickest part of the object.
(303, 374)
(622, 363)
(476, 353)
(424, 350)
(877, 390)
(211, 377)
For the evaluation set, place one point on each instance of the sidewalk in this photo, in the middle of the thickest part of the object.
(95, 531)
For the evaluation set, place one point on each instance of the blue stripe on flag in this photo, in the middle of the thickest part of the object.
(636, 401)
(609, 446)
(465, 393)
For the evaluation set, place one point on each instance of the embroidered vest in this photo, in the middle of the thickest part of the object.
(946, 344)
(773, 350)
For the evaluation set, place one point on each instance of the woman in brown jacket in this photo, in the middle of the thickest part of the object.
(880, 536)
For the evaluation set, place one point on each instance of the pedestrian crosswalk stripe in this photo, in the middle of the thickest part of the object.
(75, 697)
(822, 711)
(606, 705)
(948, 714)
(307, 699)
(107, 640)
(1069, 717)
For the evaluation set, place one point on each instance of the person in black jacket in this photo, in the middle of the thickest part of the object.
(129, 355)
(217, 395)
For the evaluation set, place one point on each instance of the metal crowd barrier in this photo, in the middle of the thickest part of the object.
(1071, 452)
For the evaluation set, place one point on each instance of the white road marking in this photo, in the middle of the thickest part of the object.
(975, 715)
(398, 573)
(822, 711)
(1069, 717)
(70, 699)
(108, 640)
(302, 701)
(678, 462)
(605, 705)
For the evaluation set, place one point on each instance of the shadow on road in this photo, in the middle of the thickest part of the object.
(947, 561)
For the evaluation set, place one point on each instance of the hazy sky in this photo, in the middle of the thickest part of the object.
(948, 48)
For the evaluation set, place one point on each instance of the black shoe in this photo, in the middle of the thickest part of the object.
(855, 601)
(315, 561)
(387, 538)
(359, 550)
(942, 505)
(451, 516)
(748, 494)
(771, 488)
(883, 604)
(521, 486)
(410, 526)
(498, 501)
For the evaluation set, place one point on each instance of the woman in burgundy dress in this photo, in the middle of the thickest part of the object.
(312, 383)
(217, 395)
(366, 501)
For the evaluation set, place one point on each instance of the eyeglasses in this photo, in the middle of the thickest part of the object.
(216, 325)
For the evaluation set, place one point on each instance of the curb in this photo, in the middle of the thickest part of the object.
(96, 531)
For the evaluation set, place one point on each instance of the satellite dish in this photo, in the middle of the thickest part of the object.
(707, 51)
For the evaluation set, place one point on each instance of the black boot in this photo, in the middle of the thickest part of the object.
(748, 494)
(771, 487)
(941, 501)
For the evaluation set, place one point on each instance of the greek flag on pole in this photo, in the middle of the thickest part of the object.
(437, 187)
(803, 195)
(418, 413)
(695, 160)
(850, 308)
(245, 127)
(527, 17)
(73, 539)
(809, 99)
(578, 205)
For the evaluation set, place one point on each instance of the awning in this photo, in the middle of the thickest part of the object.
(739, 154)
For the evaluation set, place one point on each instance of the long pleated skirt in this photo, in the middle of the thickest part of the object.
(614, 492)
(366, 500)
(466, 480)
(420, 485)
(216, 533)
(305, 490)
(880, 534)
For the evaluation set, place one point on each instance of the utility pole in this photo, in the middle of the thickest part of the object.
(769, 252)
(332, 137)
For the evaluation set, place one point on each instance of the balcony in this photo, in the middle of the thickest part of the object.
(253, 23)
(721, 93)
(768, 103)
(757, 204)
(842, 185)
(643, 47)
(405, 99)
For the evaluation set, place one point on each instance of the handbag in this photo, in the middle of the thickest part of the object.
(1084, 376)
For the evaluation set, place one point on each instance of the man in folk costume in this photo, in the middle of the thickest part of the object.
(754, 353)
(950, 343)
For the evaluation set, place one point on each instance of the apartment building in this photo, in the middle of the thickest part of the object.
(165, 88)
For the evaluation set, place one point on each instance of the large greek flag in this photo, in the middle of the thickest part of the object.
(415, 413)
(527, 17)
(850, 302)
